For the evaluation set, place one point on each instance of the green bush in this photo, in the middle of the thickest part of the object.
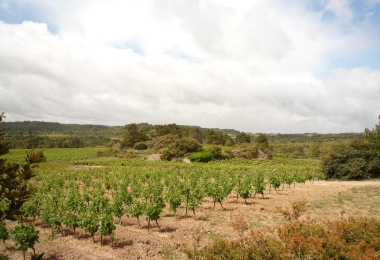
(357, 159)
(164, 141)
(227, 154)
(140, 146)
(203, 157)
(216, 151)
(167, 154)
(221, 154)
(187, 145)
(261, 139)
(243, 138)
(180, 149)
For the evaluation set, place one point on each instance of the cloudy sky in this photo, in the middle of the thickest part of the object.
(273, 66)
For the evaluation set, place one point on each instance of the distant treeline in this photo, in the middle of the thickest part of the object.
(28, 134)
(311, 137)
(29, 141)
(36, 127)
(33, 134)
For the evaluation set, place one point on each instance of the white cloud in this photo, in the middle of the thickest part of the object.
(250, 65)
(341, 8)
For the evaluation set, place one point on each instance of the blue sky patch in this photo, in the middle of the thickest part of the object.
(18, 14)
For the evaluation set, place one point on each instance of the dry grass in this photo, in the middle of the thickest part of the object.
(363, 201)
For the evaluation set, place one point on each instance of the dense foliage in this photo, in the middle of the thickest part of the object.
(14, 193)
(132, 136)
(243, 138)
(14, 179)
(357, 159)
(221, 152)
(261, 139)
(164, 141)
(204, 156)
(373, 136)
(181, 148)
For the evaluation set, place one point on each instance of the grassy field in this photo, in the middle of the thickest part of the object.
(58, 155)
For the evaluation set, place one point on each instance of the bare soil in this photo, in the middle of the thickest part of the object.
(134, 242)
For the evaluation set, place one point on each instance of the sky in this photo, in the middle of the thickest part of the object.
(271, 66)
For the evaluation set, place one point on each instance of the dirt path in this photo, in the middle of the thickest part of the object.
(134, 242)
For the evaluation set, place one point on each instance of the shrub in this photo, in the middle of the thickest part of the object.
(164, 141)
(180, 148)
(227, 154)
(140, 146)
(107, 153)
(187, 145)
(246, 151)
(243, 138)
(132, 136)
(216, 151)
(203, 157)
(167, 154)
(261, 139)
(111, 143)
(357, 159)
(342, 239)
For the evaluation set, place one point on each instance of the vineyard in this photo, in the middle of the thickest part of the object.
(116, 207)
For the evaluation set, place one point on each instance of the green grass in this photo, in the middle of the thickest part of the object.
(61, 155)
(88, 156)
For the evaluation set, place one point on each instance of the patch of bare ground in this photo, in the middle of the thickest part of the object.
(79, 167)
(326, 199)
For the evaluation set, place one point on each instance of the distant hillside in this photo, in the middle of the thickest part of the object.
(38, 127)
(28, 134)
(311, 137)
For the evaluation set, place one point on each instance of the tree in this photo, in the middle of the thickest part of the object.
(3, 145)
(25, 237)
(243, 138)
(228, 140)
(181, 148)
(132, 136)
(164, 141)
(187, 145)
(15, 192)
(170, 129)
(14, 182)
(373, 136)
(261, 139)
(216, 151)
(196, 133)
(357, 159)
(214, 137)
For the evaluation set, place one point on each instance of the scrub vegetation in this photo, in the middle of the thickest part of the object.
(103, 191)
